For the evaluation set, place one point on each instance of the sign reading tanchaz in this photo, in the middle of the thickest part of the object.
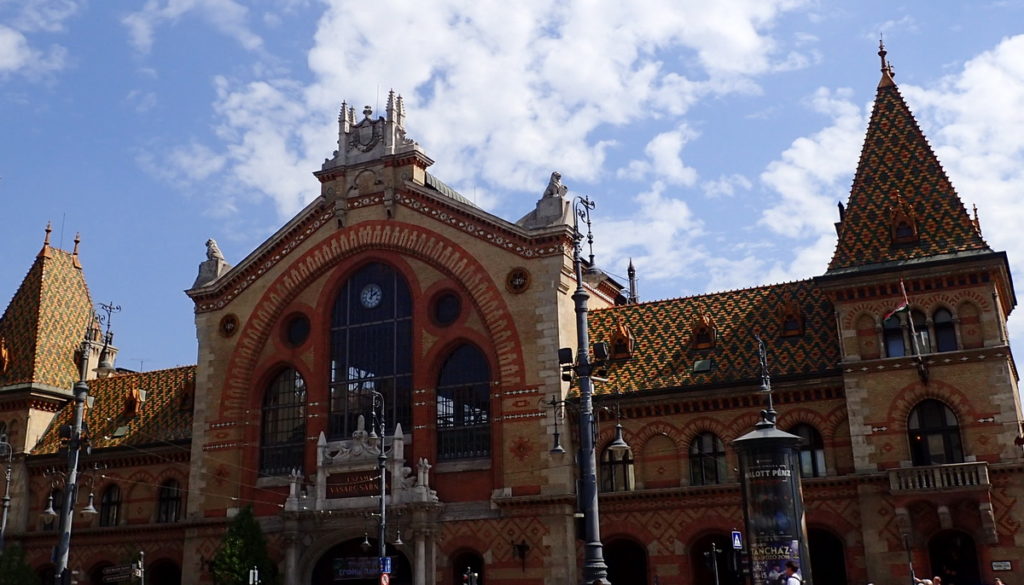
(353, 484)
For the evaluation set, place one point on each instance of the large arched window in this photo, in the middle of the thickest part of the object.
(617, 470)
(812, 450)
(283, 437)
(464, 405)
(371, 350)
(110, 506)
(707, 460)
(892, 330)
(934, 434)
(168, 502)
(945, 332)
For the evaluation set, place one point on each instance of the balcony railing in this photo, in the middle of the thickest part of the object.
(933, 478)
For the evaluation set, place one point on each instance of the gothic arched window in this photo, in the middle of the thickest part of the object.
(371, 350)
(945, 332)
(934, 434)
(617, 470)
(464, 405)
(168, 502)
(892, 330)
(812, 450)
(707, 460)
(110, 506)
(283, 433)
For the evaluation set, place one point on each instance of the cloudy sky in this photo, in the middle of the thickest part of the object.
(715, 137)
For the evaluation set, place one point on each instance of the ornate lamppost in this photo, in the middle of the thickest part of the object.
(7, 454)
(595, 571)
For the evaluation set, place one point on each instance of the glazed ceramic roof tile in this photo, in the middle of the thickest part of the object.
(45, 322)
(118, 418)
(665, 353)
(899, 173)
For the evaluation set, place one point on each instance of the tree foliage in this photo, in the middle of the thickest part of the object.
(244, 547)
(13, 568)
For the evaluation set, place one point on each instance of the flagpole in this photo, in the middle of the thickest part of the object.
(921, 369)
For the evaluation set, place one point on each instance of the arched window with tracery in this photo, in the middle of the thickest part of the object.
(168, 508)
(617, 474)
(707, 460)
(464, 405)
(371, 350)
(110, 506)
(812, 450)
(945, 331)
(934, 434)
(283, 433)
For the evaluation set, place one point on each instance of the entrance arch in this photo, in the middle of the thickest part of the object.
(627, 562)
(359, 565)
(954, 557)
(728, 565)
(467, 561)
(828, 557)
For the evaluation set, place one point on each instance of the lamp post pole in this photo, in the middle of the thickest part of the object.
(594, 569)
(6, 451)
(81, 392)
(378, 402)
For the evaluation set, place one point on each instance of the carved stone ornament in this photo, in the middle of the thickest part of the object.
(367, 133)
(228, 325)
(518, 280)
(5, 356)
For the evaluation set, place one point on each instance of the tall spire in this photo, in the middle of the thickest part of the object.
(902, 205)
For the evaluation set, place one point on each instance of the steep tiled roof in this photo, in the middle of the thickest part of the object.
(166, 414)
(664, 352)
(898, 170)
(45, 322)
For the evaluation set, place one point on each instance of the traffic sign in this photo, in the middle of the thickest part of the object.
(384, 579)
(385, 564)
(737, 540)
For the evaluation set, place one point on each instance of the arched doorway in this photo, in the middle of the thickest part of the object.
(828, 559)
(627, 562)
(163, 572)
(465, 562)
(358, 563)
(954, 557)
(726, 562)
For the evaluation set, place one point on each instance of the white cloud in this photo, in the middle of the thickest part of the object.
(227, 16)
(664, 159)
(726, 186)
(44, 15)
(18, 56)
(502, 97)
(809, 175)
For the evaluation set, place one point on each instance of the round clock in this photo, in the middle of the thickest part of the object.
(371, 295)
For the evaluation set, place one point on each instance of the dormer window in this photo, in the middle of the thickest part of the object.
(791, 319)
(622, 342)
(903, 221)
(704, 332)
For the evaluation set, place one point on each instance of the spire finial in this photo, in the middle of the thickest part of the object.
(49, 228)
(74, 254)
(45, 251)
(882, 53)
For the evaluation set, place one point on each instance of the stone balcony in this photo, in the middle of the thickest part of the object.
(937, 478)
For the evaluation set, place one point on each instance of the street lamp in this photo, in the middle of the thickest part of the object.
(6, 452)
(595, 571)
(382, 460)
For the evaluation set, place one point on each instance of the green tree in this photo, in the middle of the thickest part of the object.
(244, 547)
(13, 568)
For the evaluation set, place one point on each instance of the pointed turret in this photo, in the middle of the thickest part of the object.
(44, 324)
(902, 205)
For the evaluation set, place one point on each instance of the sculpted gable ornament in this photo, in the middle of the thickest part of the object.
(371, 138)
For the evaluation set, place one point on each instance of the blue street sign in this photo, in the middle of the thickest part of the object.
(385, 564)
(737, 540)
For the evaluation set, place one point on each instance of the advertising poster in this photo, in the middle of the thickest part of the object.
(775, 517)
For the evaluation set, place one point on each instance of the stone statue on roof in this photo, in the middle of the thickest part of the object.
(213, 267)
(555, 186)
(213, 250)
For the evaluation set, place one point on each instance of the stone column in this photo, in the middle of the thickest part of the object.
(291, 553)
(419, 560)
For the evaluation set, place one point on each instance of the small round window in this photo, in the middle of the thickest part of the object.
(296, 331)
(447, 308)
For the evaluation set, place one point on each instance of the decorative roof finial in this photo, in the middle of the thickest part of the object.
(882, 53)
(977, 222)
(74, 253)
(45, 251)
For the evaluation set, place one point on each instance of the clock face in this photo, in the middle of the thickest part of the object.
(371, 295)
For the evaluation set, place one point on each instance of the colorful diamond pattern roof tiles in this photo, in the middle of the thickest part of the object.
(896, 158)
(664, 353)
(45, 322)
(165, 416)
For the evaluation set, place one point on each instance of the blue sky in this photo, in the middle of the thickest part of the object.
(715, 137)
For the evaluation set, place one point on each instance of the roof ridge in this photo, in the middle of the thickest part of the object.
(709, 294)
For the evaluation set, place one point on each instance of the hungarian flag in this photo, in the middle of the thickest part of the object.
(903, 306)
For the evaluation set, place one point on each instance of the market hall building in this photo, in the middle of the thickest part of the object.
(391, 284)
